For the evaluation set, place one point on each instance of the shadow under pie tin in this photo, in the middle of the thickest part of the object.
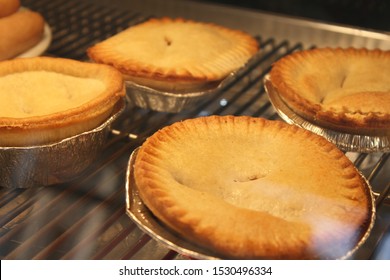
(43, 165)
(344, 141)
(151, 225)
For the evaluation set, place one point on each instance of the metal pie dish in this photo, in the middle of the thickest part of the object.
(147, 222)
(344, 141)
(151, 225)
(161, 101)
(54, 163)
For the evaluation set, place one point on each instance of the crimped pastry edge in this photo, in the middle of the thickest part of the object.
(185, 78)
(45, 129)
(370, 124)
(149, 178)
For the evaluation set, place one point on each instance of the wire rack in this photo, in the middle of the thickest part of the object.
(85, 218)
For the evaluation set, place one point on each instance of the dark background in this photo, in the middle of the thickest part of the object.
(367, 14)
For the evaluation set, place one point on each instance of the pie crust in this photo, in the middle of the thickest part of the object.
(44, 100)
(247, 188)
(176, 55)
(345, 90)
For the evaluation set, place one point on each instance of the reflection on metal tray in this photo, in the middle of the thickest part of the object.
(144, 218)
(346, 142)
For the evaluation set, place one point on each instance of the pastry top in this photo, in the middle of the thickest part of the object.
(250, 188)
(48, 99)
(346, 90)
(163, 51)
(61, 91)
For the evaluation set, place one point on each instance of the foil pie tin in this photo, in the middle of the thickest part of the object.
(344, 141)
(150, 224)
(43, 165)
(147, 222)
(161, 101)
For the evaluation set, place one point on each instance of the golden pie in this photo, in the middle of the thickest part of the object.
(47, 99)
(176, 55)
(247, 187)
(346, 90)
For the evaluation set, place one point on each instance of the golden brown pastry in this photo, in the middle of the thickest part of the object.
(176, 55)
(45, 99)
(346, 90)
(247, 187)
(19, 32)
(8, 7)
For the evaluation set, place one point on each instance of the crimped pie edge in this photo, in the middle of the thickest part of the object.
(38, 130)
(281, 76)
(155, 196)
(246, 47)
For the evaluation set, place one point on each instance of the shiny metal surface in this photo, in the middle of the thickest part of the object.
(156, 100)
(54, 163)
(86, 218)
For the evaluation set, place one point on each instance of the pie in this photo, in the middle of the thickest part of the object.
(176, 55)
(248, 188)
(346, 90)
(45, 99)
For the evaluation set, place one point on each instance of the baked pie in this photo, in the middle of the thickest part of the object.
(247, 187)
(176, 55)
(45, 99)
(345, 90)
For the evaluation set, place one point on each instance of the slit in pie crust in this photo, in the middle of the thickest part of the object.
(44, 99)
(346, 90)
(248, 188)
(176, 55)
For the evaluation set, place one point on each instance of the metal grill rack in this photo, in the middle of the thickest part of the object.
(85, 218)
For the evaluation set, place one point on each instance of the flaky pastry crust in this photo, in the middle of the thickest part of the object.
(249, 188)
(175, 54)
(345, 90)
(34, 127)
